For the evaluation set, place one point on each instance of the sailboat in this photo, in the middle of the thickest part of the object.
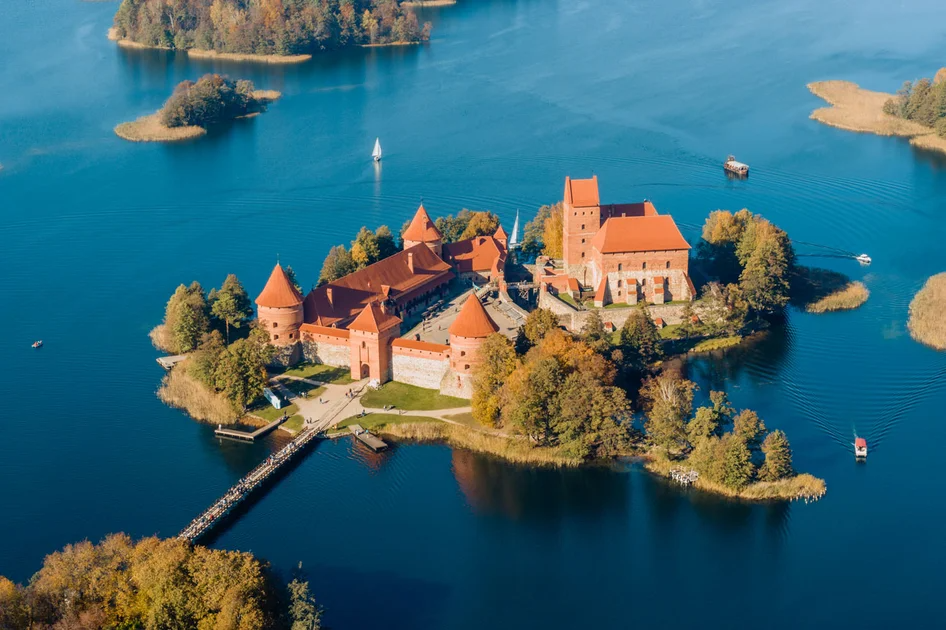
(376, 154)
(514, 241)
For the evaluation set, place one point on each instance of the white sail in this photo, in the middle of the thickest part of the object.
(376, 154)
(514, 241)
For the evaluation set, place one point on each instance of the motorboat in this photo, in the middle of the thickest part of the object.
(860, 448)
(864, 259)
(38, 344)
(736, 168)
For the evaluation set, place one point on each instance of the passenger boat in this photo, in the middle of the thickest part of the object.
(38, 344)
(376, 154)
(860, 448)
(736, 168)
(864, 259)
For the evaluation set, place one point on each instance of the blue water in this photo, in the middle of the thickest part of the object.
(508, 98)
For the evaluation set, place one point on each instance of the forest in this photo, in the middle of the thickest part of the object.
(266, 27)
(922, 101)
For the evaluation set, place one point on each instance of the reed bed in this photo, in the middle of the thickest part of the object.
(927, 321)
(718, 343)
(198, 53)
(846, 298)
(150, 129)
(800, 487)
(181, 390)
(516, 450)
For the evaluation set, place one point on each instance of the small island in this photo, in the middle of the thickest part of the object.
(286, 32)
(927, 323)
(193, 107)
(913, 112)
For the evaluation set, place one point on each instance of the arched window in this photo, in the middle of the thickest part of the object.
(290, 335)
(462, 353)
(275, 337)
(583, 226)
(643, 265)
(583, 254)
(668, 264)
(362, 344)
(275, 324)
(620, 267)
(466, 367)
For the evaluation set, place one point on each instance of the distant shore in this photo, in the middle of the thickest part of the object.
(428, 3)
(198, 53)
(856, 109)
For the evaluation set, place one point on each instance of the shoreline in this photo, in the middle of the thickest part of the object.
(150, 129)
(853, 108)
(423, 4)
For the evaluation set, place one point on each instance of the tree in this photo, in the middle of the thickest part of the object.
(385, 239)
(338, 263)
(640, 340)
(749, 428)
(241, 369)
(533, 234)
(304, 612)
(594, 334)
(778, 457)
(539, 323)
(533, 388)
(231, 304)
(185, 318)
(365, 249)
(203, 363)
(552, 231)
(668, 400)
(738, 469)
(452, 227)
(212, 99)
(480, 224)
(291, 274)
(497, 360)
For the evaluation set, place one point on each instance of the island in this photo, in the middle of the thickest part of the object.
(156, 583)
(193, 107)
(286, 32)
(927, 323)
(914, 112)
(417, 336)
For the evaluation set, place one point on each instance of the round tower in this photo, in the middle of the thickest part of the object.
(423, 230)
(279, 308)
(467, 333)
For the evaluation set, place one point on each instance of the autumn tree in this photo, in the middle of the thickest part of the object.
(231, 304)
(639, 340)
(539, 323)
(304, 612)
(552, 232)
(497, 360)
(668, 400)
(778, 457)
(481, 224)
(452, 227)
(594, 334)
(749, 428)
(365, 249)
(533, 234)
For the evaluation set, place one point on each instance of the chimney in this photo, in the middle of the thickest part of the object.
(328, 294)
(410, 261)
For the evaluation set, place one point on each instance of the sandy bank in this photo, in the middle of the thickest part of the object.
(856, 109)
(429, 3)
(150, 129)
(196, 53)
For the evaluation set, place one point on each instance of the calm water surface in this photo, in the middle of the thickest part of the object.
(510, 97)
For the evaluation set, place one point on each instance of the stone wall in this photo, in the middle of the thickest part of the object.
(417, 370)
(458, 385)
(574, 320)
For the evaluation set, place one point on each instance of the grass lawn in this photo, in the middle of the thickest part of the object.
(718, 343)
(300, 388)
(669, 331)
(564, 297)
(321, 372)
(294, 423)
(269, 413)
(409, 397)
(375, 420)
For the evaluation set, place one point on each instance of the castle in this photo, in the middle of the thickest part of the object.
(355, 321)
(625, 253)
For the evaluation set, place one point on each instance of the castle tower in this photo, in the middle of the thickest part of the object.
(423, 230)
(370, 336)
(581, 218)
(502, 237)
(279, 308)
(467, 333)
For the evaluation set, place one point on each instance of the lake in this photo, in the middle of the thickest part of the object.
(508, 98)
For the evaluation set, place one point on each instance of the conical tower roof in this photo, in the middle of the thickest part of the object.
(473, 320)
(279, 291)
(500, 234)
(422, 229)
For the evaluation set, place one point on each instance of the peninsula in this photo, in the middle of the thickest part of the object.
(913, 112)
(562, 380)
(285, 32)
(927, 323)
(193, 107)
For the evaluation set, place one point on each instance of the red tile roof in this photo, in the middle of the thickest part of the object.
(422, 229)
(501, 234)
(279, 291)
(390, 277)
(582, 192)
(315, 329)
(482, 253)
(420, 345)
(473, 320)
(573, 284)
(639, 234)
(602, 291)
(374, 319)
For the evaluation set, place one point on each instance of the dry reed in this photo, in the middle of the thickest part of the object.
(266, 96)
(516, 450)
(927, 321)
(848, 297)
(803, 486)
(197, 53)
(150, 129)
(181, 390)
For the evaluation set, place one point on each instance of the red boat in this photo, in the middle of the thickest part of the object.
(860, 448)
(38, 344)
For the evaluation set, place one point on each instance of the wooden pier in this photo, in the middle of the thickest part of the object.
(367, 438)
(168, 362)
(246, 436)
(242, 489)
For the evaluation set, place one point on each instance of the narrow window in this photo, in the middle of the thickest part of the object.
(583, 226)
(668, 264)
(290, 335)
(582, 241)
(583, 254)
(620, 267)
(619, 284)
(644, 265)
(275, 324)
(362, 344)
(466, 367)
(275, 337)
(462, 353)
